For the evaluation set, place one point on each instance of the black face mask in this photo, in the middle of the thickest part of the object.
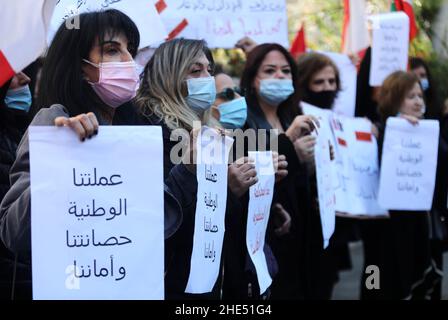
(322, 99)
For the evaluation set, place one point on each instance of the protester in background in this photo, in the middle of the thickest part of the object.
(319, 85)
(78, 89)
(420, 68)
(178, 89)
(240, 280)
(400, 246)
(268, 83)
(366, 95)
(15, 101)
(439, 234)
(319, 81)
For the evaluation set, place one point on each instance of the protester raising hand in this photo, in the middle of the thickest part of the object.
(246, 44)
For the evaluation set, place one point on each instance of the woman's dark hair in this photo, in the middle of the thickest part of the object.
(308, 65)
(366, 106)
(394, 91)
(288, 109)
(433, 110)
(62, 80)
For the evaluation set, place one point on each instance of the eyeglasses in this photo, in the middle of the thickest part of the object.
(228, 94)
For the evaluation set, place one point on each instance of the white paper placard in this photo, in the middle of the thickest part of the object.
(97, 214)
(408, 166)
(260, 201)
(390, 45)
(210, 210)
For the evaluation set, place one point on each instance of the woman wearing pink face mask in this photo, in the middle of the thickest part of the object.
(87, 75)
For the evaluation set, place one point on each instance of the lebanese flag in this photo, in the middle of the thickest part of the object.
(355, 37)
(407, 7)
(23, 25)
(298, 46)
(177, 30)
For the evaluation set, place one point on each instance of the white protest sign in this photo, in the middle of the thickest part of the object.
(390, 45)
(223, 23)
(325, 170)
(142, 12)
(346, 101)
(211, 172)
(97, 216)
(357, 167)
(408, 166)
(260, 200)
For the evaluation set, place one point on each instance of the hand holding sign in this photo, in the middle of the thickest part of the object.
(84, 125)
(301, 126)
(242, 175)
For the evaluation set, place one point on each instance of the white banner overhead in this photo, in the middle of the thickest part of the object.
(223, 23)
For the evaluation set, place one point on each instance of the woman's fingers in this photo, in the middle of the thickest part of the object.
(84, 125)
(87, 125)
(61, 121)
(76, 125)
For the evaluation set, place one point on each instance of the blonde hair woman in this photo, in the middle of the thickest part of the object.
(178, 89)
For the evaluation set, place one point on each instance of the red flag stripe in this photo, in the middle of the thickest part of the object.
(346, 23)
(363, 136)
(6, 71)
(180, 27)
(298, 46)
(160, 6)
(342, 142)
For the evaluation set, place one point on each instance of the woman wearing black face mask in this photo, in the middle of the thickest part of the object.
(319, 81)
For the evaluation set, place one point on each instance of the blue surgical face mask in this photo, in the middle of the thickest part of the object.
(275, 91)
(425, 84)
(201, 93)
(233, 113)
(19, 99)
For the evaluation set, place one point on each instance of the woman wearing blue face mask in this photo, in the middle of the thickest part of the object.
(12, 104)
(269, 86)
(177, 90)
(229, 108)
(420, 68)
(88, 74)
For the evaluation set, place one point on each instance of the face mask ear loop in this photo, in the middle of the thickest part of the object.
(91, 63)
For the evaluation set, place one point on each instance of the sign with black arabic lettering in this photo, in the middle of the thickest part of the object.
(222, 23)
(259, 208)
(97, 214)
(390, 45)
(213, 151)
(408, 166)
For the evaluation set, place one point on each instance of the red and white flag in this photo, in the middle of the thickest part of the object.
(407, 7)
(24, 25)
(355, 37)
(298, 46)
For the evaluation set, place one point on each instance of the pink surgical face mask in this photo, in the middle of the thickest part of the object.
(118, 83)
